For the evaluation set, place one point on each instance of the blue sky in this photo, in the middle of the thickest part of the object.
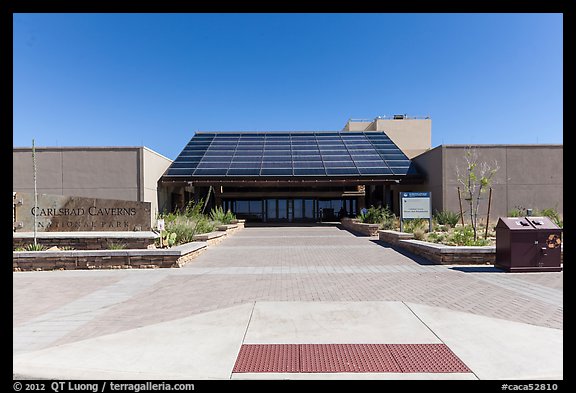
(155, 79)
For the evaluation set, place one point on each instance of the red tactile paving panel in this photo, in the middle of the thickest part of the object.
(351, 358)
(269, 358)
(347, 358)
(427, 358)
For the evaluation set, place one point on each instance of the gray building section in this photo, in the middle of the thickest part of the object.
(529, 176)
(125, 173)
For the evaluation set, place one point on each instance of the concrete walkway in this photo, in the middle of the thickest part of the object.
(276, 285)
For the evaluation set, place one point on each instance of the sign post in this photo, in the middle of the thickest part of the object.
(416, 205)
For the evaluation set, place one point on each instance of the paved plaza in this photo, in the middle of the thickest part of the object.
(283, 285)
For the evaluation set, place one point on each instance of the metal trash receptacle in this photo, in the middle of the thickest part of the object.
(528, 244)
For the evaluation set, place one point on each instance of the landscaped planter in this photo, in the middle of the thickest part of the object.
(175, 256)
(353, 225)
(89, 240)
(106, 259)
(440, 253)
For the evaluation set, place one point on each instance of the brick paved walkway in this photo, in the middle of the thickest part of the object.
(320, 263)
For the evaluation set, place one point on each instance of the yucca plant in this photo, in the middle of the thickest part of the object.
(553, 215)
(447, 217)
(116, 246)
(32, 247)
(217, 214)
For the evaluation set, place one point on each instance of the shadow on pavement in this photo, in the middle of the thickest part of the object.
(478, 269)
(289, 224)
(357, 234)
(416, 258)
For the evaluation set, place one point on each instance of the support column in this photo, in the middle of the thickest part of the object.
(217, 195)
(361, 200)
(387, 196)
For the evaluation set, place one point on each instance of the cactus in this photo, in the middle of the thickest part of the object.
(168, 238)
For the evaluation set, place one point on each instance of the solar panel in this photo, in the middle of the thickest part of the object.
(371, 164)
(276, 172)
(277, 164)
(339, 164)
(375, 171)
(243, 172)
(245, 165)
(308, 164)
(291, 154)
(342, 171)
(208, 165)
(247, 159)
(210, 172)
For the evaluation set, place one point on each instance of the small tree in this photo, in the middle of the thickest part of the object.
(476, 179)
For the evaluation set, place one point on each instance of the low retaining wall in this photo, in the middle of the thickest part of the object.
(440, 253)
(114, 259)
(85, 240)
(353, 225)
(106, 259)
(211, 238)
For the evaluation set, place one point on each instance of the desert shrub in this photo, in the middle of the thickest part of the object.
(417, 223)
(518, 211)
(419, 233)
(115, 246)
(194, 209)
(379, 215)
(31, 247)
(203, 225)
(464, 236)
(217, 214)
(435, 237)
(447, 217)
(553, 215)
(185, 228)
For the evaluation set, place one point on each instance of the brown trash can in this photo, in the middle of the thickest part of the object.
(528, 244)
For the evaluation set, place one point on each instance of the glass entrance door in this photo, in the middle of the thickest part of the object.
(282, 209)
(298, 209)
(271, 214)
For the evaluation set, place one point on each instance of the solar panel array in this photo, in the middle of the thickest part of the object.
(290, 154)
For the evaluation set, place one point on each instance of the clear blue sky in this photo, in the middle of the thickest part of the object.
(155, 79)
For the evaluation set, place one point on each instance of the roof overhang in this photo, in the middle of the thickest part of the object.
(293, 181)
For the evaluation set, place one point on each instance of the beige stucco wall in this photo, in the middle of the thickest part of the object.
(412, 136)
(154, 166)
(530, 176)
(357, 126)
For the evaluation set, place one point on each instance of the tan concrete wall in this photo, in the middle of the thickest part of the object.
(49, 171)
(111, 173)
(357, 126)
(529, 176)
(154, 166)
(429, 164)
(412, 136)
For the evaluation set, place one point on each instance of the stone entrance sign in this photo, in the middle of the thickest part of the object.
(57, 213)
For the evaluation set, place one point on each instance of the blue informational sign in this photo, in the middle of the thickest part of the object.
(416, 194)
(415, 205)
